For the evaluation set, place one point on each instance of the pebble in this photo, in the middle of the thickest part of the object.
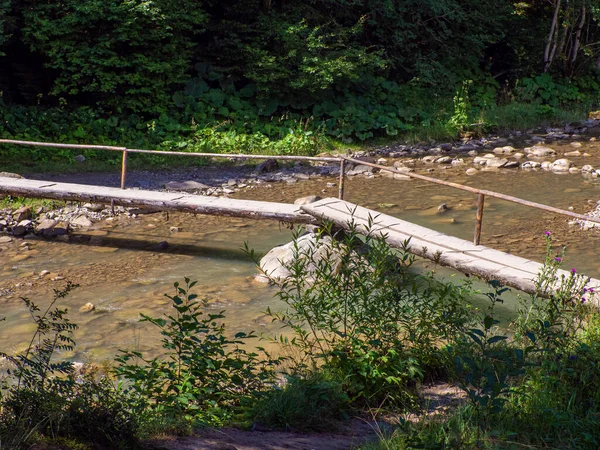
(88, 307)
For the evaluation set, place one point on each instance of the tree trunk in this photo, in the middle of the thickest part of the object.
(551, 40)
(575, 48)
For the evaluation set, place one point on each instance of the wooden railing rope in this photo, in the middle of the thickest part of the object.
(481, 193)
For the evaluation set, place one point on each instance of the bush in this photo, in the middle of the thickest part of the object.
(357, 311)
(43, 398)
(311, 402)
(205, 375)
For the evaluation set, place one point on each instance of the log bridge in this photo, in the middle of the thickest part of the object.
(458, 254)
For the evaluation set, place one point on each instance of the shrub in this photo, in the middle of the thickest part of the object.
(204, 376)
(311, 402)
(356, 309)
(43, 397)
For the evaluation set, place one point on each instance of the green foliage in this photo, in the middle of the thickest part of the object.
(133, 49)
(544, 89)
(460, 119)
(205, 374)
(486, 364)
(356, 310)
(312, 402)
(534, 387)
(4, 7)
(244, 73)
(43, 397)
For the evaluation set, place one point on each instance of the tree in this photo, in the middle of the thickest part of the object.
(566, 40)
(126, 54)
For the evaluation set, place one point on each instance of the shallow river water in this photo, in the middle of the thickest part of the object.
(122, 271)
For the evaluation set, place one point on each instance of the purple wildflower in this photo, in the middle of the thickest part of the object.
(547, 233)
(573, 271)
(583, 300)
(558, 259)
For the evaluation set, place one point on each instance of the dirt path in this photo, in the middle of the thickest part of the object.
(351, 437)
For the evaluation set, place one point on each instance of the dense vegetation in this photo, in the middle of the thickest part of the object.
(364, 331)
(280, 76)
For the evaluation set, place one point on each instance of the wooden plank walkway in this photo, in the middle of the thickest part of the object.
(166, 201)
(450, 251)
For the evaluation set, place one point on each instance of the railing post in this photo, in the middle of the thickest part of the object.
(480, 203)
(342, 178)
(124, 170)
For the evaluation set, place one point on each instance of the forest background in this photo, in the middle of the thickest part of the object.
(288, 77)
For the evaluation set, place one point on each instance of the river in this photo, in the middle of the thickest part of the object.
(123, 272)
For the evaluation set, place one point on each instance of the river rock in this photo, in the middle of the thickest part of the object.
(442, 208)
(539, 151)
(576, 144)
(573, 153)
(61, 228)
(310, 247)
(5, 239)
(496, 162)
(511, 165)
(472, 171)
(360, 169)
(518, 155)
(538, 139)
(401, 168)
(46, 227)
(10, 175)
(81, 222)
(88, 307)
(95, 207)
(444, 160)
(561, 165)
(306, 200)
(22, 228)
(161, 246)
(80, 158)
(23, 213)
(187, 186)
(270, 165)
(587, 168)
(507, 150)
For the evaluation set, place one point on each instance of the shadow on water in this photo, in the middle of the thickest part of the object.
(156, 246)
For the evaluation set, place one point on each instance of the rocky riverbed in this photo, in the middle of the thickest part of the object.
(126, 259)
(573, 149)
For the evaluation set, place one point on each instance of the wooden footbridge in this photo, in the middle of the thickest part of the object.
(464, 256)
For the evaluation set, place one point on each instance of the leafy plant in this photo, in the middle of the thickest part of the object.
(42, 397)
(356, 310)
(310, 402)
(460, 119)
(204, 376)
(486, 364)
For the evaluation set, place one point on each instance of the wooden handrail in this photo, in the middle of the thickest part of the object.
(481, 193)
